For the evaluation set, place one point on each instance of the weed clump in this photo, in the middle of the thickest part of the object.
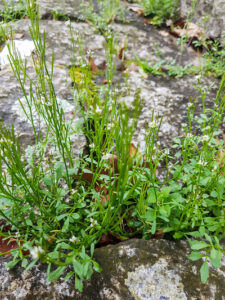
(57, 206)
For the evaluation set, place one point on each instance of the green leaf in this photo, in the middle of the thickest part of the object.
(208, 237)
(32, 264)
(153, 230)
(24, 263)
(12, 263)
(97, 268)
(197, 245)
(87, 171)
(75, 216)
(204, 272)
(214, 194)
(92, 249)
(66, 225)
(151, 196)
(195, 234)
(165, 211)
(165, 192)
(68, 275)
(78, 284)
(64, 245)
(87, 270)
(150, 215)
(29, 223)
(47, 181)
(215, 258)
(60, 217)
(78, 268)
(59, 168)
(72, 171)
(178, 234)
(195, 256)
(56, 273)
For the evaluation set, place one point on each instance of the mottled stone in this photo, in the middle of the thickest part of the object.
(131, 270)
(168, 97)
(70, 8)
(207, 13)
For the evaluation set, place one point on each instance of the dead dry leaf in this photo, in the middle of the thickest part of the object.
(189, 30)
(7, 245)
(121, 51)
(135, 8)
(93, 66)
(17, 36)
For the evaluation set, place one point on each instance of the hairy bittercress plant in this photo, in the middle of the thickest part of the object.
(57, 206)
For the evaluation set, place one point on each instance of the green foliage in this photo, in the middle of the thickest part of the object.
(159, 10)
(103, 12)
(212, 64)
(48, 196)
(4, 34)
(13, 10)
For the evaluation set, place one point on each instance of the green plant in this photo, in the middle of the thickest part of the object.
(57, 206)
(160, 10)
(4, 34)
(190, 203)
(212, 64)
(13, 10)
(106, 12)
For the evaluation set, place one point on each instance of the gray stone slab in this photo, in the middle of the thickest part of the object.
(168, 97)
(134, 269)
(207, 13)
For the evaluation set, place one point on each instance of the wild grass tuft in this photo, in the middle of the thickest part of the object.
(57, 206)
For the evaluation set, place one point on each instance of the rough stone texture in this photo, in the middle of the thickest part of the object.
(213, 11)
(168, 97)
(134, 269)
(70, 8)
(208, 12)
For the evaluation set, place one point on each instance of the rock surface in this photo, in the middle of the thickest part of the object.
(168, 97)
(207, 12)
(134, 269)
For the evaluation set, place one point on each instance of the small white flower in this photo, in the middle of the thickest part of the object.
(37, 252)
(92, 146)
(167, 151)
(106, 156)
(90, 53)
(152, 124)
(98, 110)
(74, 239)
(189, 135)
(205, 138)
(110, 126)
(67, 23)
(190, 105)
(17, 235)
(207, 128)
(93, 222)
(201, 163)
(48, 104)
(198, 77)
